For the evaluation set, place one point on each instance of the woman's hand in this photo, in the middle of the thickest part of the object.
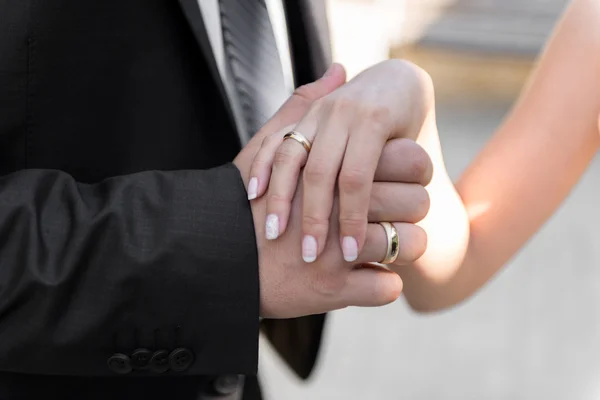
(348, 130)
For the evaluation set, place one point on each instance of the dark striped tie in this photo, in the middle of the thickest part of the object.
(253, 58)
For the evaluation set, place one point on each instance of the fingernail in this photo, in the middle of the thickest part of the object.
(329, 71)
(272, 227)
(350, 248)
(252, 188)
(309, 249)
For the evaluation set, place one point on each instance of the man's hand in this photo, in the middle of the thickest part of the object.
(289, 287)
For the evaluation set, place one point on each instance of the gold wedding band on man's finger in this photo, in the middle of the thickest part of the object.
(381, 246)
(393, 243)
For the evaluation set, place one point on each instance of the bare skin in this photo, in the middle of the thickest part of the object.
(520, 178)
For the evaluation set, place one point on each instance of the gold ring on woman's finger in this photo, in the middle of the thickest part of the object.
(300, 138)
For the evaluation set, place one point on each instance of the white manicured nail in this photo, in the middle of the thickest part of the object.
(350, 249)
(309, 249)
(252, 188)
(272, 227)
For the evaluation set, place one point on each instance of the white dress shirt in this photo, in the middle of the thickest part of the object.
(212, 21)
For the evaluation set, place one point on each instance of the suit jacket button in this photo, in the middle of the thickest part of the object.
(159, 362)
(180, 359)
(119, 363)
(140, 358)
(226, 384)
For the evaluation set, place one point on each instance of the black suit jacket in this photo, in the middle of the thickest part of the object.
(128, 264)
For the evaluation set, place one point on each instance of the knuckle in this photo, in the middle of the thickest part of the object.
(379, 116)
(318, 104)
(260, 162)
(315, 224)
(353, 180)
(342, 104)
(314, 110)
(353, 220)
(400, 64)
(287, 155)
(276, 198)
(305, 92)
(415, 160)
(271, 140)
(314, 173)
(404, 71)
(398, 149)
(329, 283)
(404, 67)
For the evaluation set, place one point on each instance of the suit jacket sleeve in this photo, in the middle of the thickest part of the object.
(155, 260)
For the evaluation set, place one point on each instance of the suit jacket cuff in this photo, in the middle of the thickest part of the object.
(223, 314)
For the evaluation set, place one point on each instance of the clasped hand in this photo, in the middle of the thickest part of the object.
(315, 235)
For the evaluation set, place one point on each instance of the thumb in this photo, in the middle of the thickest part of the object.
(298, 104)
(334, 77)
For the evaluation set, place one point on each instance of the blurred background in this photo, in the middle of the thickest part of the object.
(534, 331)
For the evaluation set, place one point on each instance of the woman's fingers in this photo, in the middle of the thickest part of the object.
(290, 157)
(348, 130)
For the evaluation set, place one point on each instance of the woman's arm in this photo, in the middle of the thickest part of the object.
(521, 176)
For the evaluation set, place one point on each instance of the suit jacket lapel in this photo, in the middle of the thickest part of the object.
(309, 38)
(191, 9)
